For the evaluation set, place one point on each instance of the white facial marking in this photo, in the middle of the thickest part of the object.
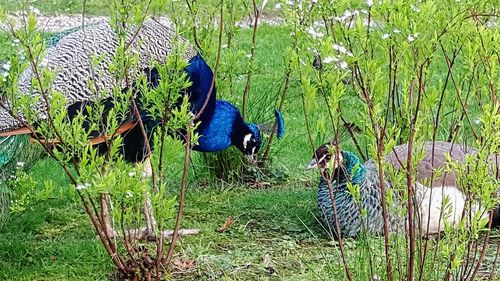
(338, 162)
(321, 159)
(246, 139)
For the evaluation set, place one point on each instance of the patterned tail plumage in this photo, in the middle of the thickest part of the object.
(16, 151)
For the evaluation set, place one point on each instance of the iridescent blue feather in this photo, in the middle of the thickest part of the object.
(281, 123)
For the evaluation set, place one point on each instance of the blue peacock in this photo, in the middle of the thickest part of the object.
(70, 54)
(365, 215)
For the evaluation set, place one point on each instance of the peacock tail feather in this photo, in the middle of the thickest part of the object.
(16, 152)
(281, 123)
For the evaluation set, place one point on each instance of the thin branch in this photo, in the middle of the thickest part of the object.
(178, 220)
(256, 12)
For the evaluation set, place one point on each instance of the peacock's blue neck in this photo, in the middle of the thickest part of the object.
(216, 132)
(351, 170)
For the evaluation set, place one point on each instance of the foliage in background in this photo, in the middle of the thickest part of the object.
(405, 72)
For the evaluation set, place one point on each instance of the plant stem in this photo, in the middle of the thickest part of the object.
(256, 15)
(181, 197)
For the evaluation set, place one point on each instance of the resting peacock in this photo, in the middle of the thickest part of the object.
(437, 159)
(351, 219)
(70, 58)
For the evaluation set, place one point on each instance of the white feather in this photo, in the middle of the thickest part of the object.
(246, 139)
(446, 207)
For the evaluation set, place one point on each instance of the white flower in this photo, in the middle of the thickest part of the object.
(314, 1)
(314, 33)
(347, 14)
(396, 31)
(34, 10)
(343, 65)
(83, 186)
(385, 36)
(477, 121)
(328, 59)
(5, 74)
(412, 37)
(491, 24)
(6, 66)
(20, 164)
(277, 6)
(369, 3)
(129, 194)
(340, 48)
(131, 174)
(415, 8)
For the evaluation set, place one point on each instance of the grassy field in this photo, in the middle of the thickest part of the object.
(276, 235)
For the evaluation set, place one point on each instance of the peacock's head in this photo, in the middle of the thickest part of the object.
(323, 157)
(249, 136)
(251, 141)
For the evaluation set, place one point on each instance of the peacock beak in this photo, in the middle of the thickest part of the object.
(312, 165)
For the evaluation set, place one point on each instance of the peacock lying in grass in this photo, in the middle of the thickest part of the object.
(70, 56)
(364, 213)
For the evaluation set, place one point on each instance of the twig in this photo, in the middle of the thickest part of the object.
(181, 197)
(193, 15)
(256, 12)
(492, 273)
(409, 176)
(330, 188)
(483, 250)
